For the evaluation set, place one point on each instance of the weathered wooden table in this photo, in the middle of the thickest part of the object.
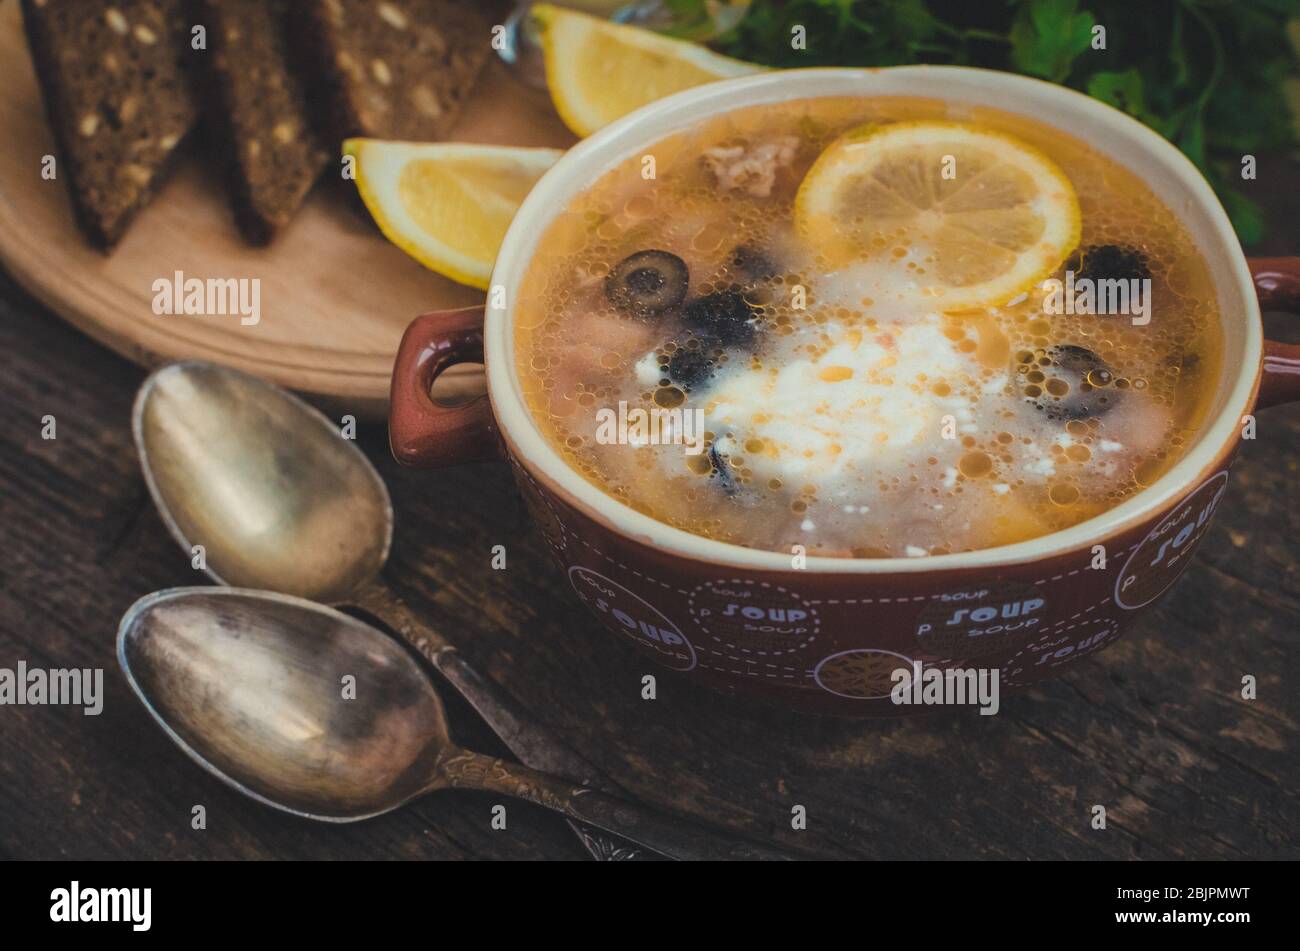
(1154, 728)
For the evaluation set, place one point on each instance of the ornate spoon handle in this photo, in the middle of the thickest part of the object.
(676, 839)
(534, 745)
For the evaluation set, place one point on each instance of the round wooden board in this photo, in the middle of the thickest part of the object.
(335, 295)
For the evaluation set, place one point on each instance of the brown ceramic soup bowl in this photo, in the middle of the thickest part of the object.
(825, 636)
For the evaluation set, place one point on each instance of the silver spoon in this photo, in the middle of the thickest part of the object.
(312, 711)
(280, 501)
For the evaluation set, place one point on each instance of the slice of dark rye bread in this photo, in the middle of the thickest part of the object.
(395, 69)
(256, 109)
(117, 98)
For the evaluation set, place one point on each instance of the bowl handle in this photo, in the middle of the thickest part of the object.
(422, 432)
(1277, 283)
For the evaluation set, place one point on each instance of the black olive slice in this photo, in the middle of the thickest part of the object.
(1075, 385)
(691, 367)
(722, 472)
(726, 316)
(724, 477)
(647, 283)
(751, 266)
(1109, 262)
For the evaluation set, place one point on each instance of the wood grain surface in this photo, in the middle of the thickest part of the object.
(335, 295)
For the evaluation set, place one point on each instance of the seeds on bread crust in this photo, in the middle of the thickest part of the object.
(396, 69)
(258, 104)
(96, 74)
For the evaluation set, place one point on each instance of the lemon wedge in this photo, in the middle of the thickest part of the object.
(982, 215)
(446, 204)
(599, 71)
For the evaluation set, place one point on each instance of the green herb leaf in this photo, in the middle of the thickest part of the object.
(1047, 35)
(1121, 90)
(1246, 215)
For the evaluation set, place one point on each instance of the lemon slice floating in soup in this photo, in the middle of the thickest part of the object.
(968, 216)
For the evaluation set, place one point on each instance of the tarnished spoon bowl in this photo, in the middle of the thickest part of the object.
(266, 484)
(254, 686)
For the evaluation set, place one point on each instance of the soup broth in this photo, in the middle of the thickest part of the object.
(702, 343)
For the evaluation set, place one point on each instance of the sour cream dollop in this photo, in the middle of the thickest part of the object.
(865, 402)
